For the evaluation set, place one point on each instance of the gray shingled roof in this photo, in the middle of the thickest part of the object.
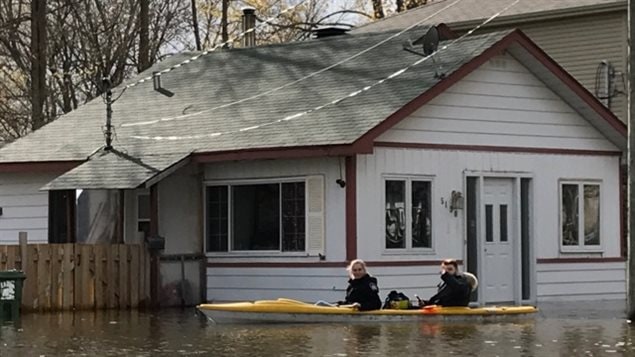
(466, 11)
(226, 76)
(114, 170)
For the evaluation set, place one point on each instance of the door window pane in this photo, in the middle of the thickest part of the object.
(421, 215)
(503, 223)
(489, 231)
(217, 220)
(570, 220)
(293, 217)
(395, 214)
(256, 217)
(591, 214)
(143, 204)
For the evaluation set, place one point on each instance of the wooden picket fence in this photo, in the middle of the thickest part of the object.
(80, 276)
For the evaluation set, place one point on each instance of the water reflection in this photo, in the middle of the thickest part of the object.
(565, 332)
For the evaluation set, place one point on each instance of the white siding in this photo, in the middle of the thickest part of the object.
(499, 104)
(580, 43)
(448, 169)
(334, 198)
(25, 207)
(312, 284)
(308, 284)
(581, 281)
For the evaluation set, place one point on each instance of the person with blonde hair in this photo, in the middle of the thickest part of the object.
(362, 290)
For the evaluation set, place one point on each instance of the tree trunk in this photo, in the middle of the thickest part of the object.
(378, 9)
(144, 36)
(411, 4)
(197, 35)
(400, 7)
(38, 62)
(223, 23)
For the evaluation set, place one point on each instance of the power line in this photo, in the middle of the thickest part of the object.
(333, 102)
(313, 74)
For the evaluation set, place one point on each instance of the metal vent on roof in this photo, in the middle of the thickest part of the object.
(329, 31)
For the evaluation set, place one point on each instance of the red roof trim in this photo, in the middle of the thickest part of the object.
(514, 37)
(293, 152)
(39, 166)
(580, 260)
(351, 208)
(507, 149)
(399, 263)
(623, 192)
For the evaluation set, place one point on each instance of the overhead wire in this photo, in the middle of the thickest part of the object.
(286, 85)
(333, 102)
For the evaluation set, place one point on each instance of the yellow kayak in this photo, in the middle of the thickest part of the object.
(293, 311)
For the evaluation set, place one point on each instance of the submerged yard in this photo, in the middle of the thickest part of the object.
(574, 329)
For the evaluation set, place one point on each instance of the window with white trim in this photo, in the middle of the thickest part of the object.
(580, 215)
(284, 216)
(408, 216)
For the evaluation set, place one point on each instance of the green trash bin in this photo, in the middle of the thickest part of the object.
(11, 282)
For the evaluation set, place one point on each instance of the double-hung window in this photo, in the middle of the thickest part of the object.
(282, 216)
(580, 215)
(408, 213)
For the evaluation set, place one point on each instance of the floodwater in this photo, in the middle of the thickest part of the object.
(580, 329)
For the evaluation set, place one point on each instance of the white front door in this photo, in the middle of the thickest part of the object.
(498, 240)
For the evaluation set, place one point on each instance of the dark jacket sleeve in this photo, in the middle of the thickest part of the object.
(365, 292)
(455, 292)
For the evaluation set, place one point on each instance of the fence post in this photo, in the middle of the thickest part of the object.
(23, 238)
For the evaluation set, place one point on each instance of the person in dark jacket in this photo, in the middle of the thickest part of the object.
(362, 290)
(454, 290)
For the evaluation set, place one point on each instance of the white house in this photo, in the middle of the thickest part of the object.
(269, 174)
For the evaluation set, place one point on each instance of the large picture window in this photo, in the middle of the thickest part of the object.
(580, 215)
(408, 213)
(256, 217)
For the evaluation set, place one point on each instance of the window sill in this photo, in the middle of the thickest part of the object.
(259, 255)
(399, 252)
(577, 251)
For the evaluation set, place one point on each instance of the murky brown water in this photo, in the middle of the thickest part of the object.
(559, 330)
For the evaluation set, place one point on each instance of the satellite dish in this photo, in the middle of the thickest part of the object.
(430, 41)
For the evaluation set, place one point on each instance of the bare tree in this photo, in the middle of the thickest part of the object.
(144, 36)
(378, 9)
(224, 21)
(197, 34)
(411, 4)
(38, 62)
(57, 70)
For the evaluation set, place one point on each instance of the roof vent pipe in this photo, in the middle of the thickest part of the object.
(249, 26)
(156, 80)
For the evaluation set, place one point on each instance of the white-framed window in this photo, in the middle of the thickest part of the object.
(274, 216)
(408, 213)
(143, 213)
(580, 223)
